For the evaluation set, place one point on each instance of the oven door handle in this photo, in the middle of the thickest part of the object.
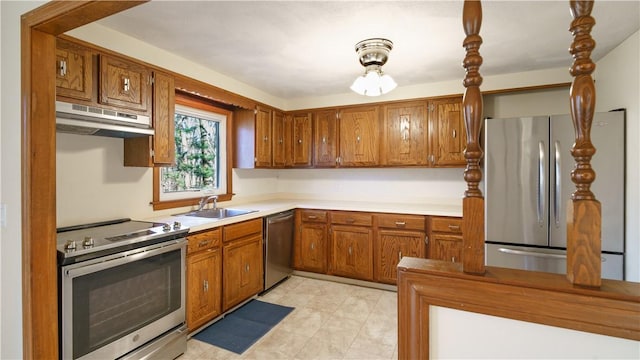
(125, 257)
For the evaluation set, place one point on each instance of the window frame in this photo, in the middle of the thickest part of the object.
(205, 105)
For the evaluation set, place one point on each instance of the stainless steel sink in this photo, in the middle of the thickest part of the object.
(217, 213)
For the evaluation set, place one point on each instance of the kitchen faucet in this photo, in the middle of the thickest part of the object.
(204, 200)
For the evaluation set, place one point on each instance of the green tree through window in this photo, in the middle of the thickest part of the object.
(197, 167)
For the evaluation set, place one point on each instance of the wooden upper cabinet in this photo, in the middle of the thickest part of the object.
(280, 133)
(448, 136)
(405, 134)
(124, 84)
(302, 145)
(263, 135)
(359, 136)
(164, 144)
(160, 149)
(325, 138)
(74, 70)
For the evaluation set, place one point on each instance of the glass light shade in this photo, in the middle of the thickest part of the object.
(373, 83)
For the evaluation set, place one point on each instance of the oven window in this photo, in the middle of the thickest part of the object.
(114, 302)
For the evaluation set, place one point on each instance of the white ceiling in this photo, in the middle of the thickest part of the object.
(292, 49)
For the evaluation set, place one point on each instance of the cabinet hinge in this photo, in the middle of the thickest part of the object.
(426, 239)
(431, 107)
(152, 153)
(152, 79)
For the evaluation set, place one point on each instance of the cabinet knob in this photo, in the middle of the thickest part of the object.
(454, 133)
(63, 67)
(453, 259)
(299, 141)
(358, 138)
(313, 246)
(350, 251)
(399, 255)
(324, 139)
(265, 139)
(246, 268)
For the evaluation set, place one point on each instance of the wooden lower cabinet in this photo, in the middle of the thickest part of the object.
(352, 252)
(204, 279)
(393, 245)
(242, 262)
(446, 239)
(310, 244)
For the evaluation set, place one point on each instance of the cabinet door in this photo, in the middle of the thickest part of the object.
(74, 69)
(352, 252)
(263, 138)
(243, 272)
(159, 149)
(449, 138)
(204, 280)
(311, 247)
(359, 136)
(392, 245)
(124, 84)
(325, 136)
(446, 247)
(302, 144)
(405, 134)
(279, 140)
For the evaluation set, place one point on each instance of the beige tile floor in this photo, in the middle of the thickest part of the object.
(330, 321)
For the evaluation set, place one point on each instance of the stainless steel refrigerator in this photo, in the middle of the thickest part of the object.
(528, 184)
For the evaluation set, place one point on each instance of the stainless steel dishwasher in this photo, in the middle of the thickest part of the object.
(278, 247)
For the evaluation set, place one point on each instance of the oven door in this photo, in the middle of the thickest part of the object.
(114, 304)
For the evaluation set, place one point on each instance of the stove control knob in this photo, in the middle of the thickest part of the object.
(70, 245)
(177, 225)
(88, 242)
(166, 227)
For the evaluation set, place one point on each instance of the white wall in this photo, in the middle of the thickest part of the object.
(10, 236)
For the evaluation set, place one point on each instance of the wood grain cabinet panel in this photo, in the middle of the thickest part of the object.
(445, 240)
(448, 136)
(310, 243)
(159, 149)
(263, 141)
(125, 84)
(281, 128)
(405, 134)
(243, 273)
(302, 144)
(359, 130)
(352, 252)
(397, 235)
(204, 278)
(74, 70)
(242, 262)
(325, 138)
(204, 285)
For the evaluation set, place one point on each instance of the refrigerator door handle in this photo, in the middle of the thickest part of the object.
(541, 187)
(531, 253)
(558, 184)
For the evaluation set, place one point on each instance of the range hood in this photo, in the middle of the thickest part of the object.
(91, 120)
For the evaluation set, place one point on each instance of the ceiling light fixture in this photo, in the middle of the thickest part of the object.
(373, 53)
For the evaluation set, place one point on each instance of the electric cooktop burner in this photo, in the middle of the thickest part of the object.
(83, 242)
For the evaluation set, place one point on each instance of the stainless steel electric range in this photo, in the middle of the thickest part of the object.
(122, 290)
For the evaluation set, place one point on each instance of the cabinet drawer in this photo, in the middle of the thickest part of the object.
(351, 218)
(240, 230)
(401, 221)
(313, 216)
(446, 224)
(203, 240)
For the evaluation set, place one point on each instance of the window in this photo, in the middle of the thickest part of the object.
(201, 156)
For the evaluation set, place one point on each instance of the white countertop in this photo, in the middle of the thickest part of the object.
(269, 207)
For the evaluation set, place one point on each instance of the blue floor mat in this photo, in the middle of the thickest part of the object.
(240, 329)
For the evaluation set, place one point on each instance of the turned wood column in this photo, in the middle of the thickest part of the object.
(473, 201)
(583, 210)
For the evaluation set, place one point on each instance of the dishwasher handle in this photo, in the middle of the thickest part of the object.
(279, 218)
